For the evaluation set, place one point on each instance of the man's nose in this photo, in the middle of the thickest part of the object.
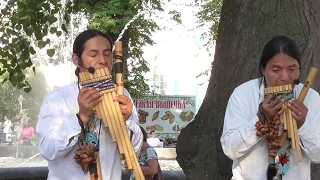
(285, 76)
(102, 59)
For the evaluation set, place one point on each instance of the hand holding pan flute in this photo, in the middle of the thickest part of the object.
(125, 105)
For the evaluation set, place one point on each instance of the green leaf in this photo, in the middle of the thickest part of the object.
(27, 89)
(20, 85)
(58, 33)
(54, 2)
(38, 34)
(31, 50)
(29, 63)
(63, 27)
(2, 72)
(18, 27)
(50, 52)
(13, 79)
(54, 11)
(5, 80)
(53, 30)
(45, 31)
(46, 6)
(42, 44)
(52, 19)
(23, 65)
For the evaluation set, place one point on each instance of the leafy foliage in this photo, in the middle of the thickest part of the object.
(209, 16)
(27, 26)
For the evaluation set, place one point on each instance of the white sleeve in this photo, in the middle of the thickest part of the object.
(309, 133)
(239, 131)
(56, 135)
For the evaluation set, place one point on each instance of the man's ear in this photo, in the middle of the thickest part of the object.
(76, 61)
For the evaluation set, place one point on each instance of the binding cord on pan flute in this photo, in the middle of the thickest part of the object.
(109, 111)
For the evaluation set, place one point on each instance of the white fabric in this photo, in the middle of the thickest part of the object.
(154, 142)
(249, 154)
(7, 126)
(58, 123)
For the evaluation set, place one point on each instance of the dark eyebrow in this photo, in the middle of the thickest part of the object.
(93, 50)
(96, 51)
(293, 65)
(275, 66)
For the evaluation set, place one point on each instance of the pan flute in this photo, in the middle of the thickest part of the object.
(109, 111)
(286, 128)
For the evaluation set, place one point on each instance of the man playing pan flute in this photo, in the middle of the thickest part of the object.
(67, 108)
(245, 145)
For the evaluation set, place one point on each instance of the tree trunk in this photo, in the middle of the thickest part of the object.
(245, 27)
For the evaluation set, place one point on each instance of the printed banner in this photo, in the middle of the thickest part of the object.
(165, 114)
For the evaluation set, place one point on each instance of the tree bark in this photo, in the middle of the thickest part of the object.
(245, 27)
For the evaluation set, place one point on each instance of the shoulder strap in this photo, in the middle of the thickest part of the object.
(131, 134)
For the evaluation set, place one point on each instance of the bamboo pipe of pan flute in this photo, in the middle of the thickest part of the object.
(307, 85)
(120, 91)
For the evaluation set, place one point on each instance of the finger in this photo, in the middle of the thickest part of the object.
(295, 104)
(293, 108)
(122, 99)
(92, 95)
(295, 116)
(79, 152)
(85, 95)
(267, 99)
(83, 90)
(258, 123)
(300, 106)
(277, 107)
(282, 109)
(123, 107)
(274, 102)
(95, 102)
